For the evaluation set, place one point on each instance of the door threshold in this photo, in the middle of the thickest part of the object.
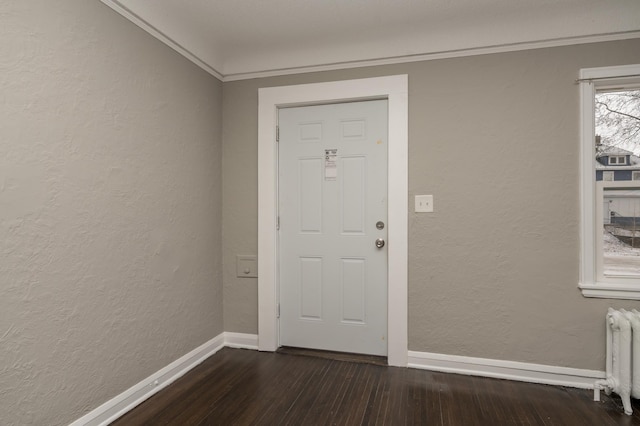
(337, 356)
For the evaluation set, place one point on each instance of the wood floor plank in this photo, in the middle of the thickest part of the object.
(243, 387)
(424, 399)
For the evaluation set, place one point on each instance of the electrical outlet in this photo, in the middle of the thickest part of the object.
(424, 203)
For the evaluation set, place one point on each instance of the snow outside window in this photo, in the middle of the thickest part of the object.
(610, 127)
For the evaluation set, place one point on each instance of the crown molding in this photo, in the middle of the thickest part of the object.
(425, 56)
(446, 54)
(155, 32)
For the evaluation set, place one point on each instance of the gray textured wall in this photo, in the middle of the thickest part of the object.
(493, 273)
(110, 208)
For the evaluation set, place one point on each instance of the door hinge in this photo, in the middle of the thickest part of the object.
(278, 223)
(278, 311)
(277, 133)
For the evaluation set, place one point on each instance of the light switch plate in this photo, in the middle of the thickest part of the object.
(246, 266)
(424, 203)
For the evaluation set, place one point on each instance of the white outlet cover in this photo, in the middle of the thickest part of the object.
(424, 204)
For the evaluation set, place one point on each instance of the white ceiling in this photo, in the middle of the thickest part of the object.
(235, 39)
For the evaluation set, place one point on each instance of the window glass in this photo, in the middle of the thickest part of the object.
(618, 123)
(617, 119)
(621, 232)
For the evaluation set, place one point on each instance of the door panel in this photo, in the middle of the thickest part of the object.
(353, 195)
(311, 288)
(354, 290)
(332, 192)
(310, 195)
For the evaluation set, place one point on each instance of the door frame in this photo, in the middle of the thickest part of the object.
(395, 90)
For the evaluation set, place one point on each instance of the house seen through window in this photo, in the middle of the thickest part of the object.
(617, 170)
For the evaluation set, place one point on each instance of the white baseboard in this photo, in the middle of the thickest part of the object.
(510, 370)
(241, 340)
(135, 395)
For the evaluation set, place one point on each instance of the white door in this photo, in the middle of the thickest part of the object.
(332, 209)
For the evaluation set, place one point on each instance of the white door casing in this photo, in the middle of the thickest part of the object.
(395, 90)
(332, 193)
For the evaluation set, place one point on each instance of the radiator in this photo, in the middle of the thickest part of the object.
(623, 357)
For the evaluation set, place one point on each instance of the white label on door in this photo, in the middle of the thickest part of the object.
(330, 166)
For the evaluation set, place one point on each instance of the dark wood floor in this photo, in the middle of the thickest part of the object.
(242, 387)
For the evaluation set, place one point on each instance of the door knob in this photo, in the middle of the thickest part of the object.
(379, 243)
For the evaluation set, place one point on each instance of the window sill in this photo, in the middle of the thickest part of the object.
(610, 291)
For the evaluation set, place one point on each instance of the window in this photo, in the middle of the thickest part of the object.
(610, 226)
(619, 159)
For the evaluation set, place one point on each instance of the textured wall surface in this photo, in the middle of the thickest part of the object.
(493, 273)
(111, 245)
(110, 216)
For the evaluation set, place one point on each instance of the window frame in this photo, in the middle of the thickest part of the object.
(592, 281)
